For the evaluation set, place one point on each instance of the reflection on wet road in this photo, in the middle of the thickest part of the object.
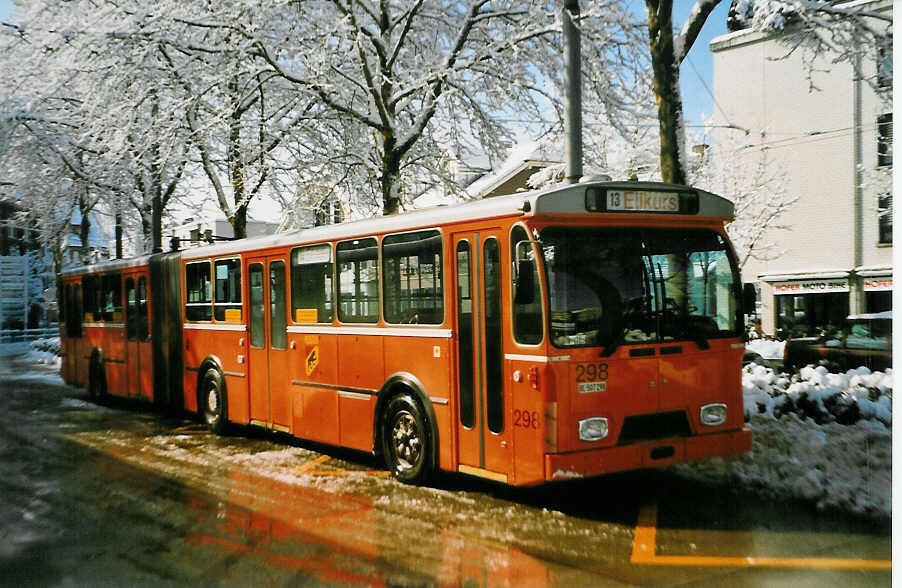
(109, 495)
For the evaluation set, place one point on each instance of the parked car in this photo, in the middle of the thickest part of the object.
(863, 340)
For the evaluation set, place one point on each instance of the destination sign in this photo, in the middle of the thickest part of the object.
(641, 201)
(634, 201)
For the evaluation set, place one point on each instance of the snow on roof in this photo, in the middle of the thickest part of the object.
(522, 154)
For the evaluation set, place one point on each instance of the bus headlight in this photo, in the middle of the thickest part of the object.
(713, 414)
(593, 429)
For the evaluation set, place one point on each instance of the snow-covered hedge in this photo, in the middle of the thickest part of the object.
(48, 345)
(817, 394)
(816, 436)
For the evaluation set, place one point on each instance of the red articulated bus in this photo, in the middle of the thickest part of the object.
(569, 332)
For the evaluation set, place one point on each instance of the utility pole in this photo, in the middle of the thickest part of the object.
(573, 78)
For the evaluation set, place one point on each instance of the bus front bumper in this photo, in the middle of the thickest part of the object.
(648, 454)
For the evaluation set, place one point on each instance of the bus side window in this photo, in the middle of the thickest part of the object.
(198, 290)
(311, 284)
(528, 323)
(412, 278)
(91, 291)
(227, 301)
(112, 298)
(358, 281)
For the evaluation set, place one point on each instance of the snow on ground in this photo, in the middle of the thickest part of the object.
(816, 436)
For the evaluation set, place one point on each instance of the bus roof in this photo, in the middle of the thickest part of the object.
(566, 199)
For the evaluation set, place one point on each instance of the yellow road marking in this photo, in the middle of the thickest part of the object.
(349, 472)
(313, 463)
(644, 553)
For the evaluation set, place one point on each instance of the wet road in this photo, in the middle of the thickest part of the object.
(98, 495)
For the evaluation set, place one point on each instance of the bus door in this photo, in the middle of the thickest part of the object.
(73, 330)
(484, 441)
(270, 405)
(138, 351)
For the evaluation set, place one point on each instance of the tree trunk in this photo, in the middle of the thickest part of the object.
(118, 234)
(156, 187)
(666, 86)
(239, 222)
(391, 176)
(84, 230)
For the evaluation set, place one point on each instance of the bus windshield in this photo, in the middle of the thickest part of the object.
(613, 286)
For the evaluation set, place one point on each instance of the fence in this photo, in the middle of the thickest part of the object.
(24, 335)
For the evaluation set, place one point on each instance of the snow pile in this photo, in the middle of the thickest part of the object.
(766, 348)
(45, 351)
(817, 394)
(816, 436)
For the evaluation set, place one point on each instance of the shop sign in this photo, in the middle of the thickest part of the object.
(877, 284)
(811, 287)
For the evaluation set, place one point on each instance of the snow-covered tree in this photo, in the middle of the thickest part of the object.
(756, 184)
(848, 30)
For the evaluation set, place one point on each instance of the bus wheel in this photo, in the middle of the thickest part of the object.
(212, 400)
(96, 381)
(405, 440)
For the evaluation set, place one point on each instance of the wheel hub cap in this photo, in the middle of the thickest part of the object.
(406, 440)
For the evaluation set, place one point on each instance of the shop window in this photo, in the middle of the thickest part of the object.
(412, 278)
(885, 219)
(227, 301)
(311, 284)
(885, 139)
(878, 301)
(199, 292)
(811, 315)
(358, 281)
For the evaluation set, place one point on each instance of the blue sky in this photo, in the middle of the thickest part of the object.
(696, 98)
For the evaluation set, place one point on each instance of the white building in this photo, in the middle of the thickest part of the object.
(833, 141)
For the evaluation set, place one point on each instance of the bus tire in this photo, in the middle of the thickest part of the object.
(405, 440)
(96, 381)
(212, 400)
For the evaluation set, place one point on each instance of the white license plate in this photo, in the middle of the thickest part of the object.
(587, 387)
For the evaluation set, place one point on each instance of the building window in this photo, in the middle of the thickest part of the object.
(811, 315)
(328, 213)
(885, 63)
(885, 219)
(885, 139)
